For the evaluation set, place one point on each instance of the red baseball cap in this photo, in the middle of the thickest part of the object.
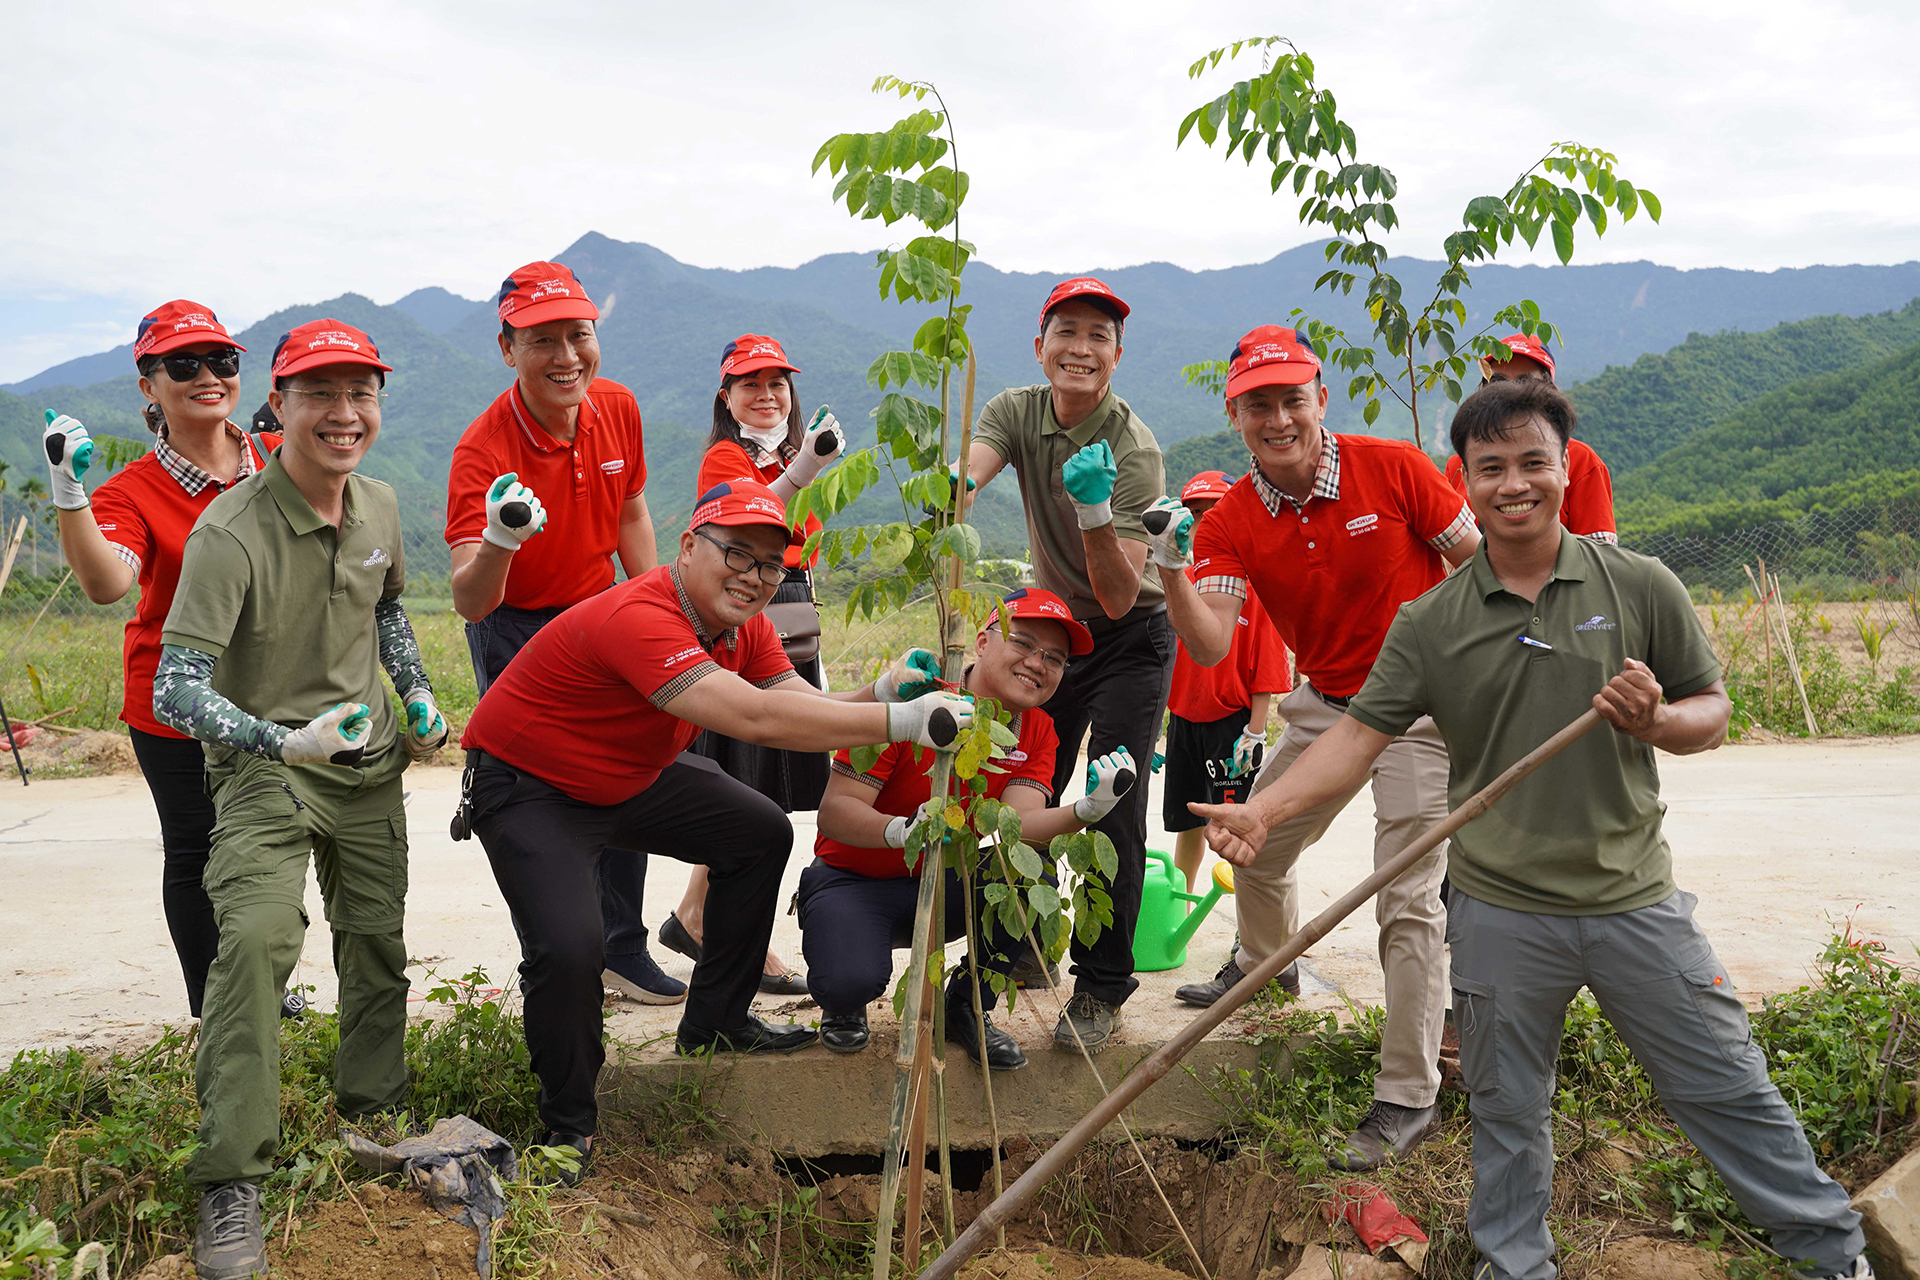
(744, 502)
(323, 342)
(1208, 486)
(1532, 348)
(543, 291)
(752, 351)
(1031, 602)
(178, 324)
(1271, 356)
(1087, 289)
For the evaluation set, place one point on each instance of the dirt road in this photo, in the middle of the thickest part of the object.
(1782, 843)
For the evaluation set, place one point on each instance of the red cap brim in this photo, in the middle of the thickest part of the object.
(556, 309)
(1277, 373)
(174, 341)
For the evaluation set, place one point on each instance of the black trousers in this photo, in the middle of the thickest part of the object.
(850, 926)
(545, 848)
(1118, 693)
(492, 642)
(176, 774)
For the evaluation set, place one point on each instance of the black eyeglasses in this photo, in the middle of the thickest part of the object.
(1028, 649)
(184, 366)
(770, 572)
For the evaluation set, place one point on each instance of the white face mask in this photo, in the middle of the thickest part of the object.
(768, 438)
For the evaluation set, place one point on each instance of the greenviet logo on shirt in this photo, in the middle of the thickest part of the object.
(1598, 622)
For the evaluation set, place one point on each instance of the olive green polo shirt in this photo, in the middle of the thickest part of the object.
(1581, 836)
(1020, 425)
(284, 601)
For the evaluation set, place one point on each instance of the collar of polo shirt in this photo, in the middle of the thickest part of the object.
(730, 637)
(1567, 565)
(1083, 433)
(299, 513)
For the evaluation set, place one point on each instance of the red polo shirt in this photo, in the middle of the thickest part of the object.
(146, 514)
(1256, 663)
(1587, 505)
(582, 484)
(580, 705)
(728, 461)
(1333, 573)
(902, 783)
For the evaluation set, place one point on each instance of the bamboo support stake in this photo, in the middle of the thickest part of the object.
(13, 549)
(1793, 658)
(1766, 631)
(1150, 1071)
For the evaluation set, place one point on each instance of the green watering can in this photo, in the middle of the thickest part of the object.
(1166, 922)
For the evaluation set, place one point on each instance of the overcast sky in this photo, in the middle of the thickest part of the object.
(252, 156)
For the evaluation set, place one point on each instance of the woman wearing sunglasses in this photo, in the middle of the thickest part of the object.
(135, 529)
(759, 435)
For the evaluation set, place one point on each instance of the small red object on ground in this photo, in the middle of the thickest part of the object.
(1377, 1220)
(22, 735)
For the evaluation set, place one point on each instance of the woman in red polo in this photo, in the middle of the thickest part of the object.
(759, 435)
(135, 529)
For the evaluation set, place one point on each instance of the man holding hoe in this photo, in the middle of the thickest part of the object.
(1568, 881)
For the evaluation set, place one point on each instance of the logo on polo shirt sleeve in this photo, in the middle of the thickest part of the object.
(685, 655)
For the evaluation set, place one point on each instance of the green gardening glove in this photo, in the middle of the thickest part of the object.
(1089, 476)
(912, 674)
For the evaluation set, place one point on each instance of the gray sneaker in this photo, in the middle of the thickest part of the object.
(1094, 1019)
(228, 1245)
(1202, 994)
(1388, 1132)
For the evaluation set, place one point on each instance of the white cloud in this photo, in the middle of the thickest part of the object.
(255, 156)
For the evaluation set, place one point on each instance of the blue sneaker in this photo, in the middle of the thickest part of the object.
(637, 977)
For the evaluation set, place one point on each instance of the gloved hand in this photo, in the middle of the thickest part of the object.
(897, 829)
(819, 447)
(1108, 780)
(69, 454)
(337, 737)
(426, 727)
(913, 673)
(1089, 476)
(1248, 750)
(513, 513)
(1159, 761)
(1169, 533)
(953, 483)
(936, 720)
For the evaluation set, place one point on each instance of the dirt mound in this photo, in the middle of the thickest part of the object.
(1044, 1264)
(1642, 1258)
(75, 754)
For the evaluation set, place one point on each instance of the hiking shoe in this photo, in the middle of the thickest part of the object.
(1388, 1132)
(1029, 972)
(554, 1174)
(1862, 1270)
(293, 1003)
(752, 1036)
(228, 1244)
(1202, 994)
(674, 936)
(637, 977)
(1093, 1018)
(845, 1032)
(1003, 1051)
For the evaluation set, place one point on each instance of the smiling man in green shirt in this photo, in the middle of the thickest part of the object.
(1568, 881)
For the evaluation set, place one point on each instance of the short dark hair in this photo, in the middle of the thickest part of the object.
(1496, 410)
(725, 428)
(1106, 308)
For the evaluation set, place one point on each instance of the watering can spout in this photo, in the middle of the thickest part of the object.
(1222, 884)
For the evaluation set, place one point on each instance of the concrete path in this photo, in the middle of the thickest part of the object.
(1782, 843)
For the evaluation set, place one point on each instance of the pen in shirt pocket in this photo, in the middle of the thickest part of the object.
(1526, 639)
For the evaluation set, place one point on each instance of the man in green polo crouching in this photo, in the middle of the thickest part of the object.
(288, 608)
(1568, 881)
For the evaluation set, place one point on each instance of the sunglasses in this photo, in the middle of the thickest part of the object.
(184, 366)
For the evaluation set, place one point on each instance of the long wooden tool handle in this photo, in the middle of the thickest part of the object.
(1144, 1076)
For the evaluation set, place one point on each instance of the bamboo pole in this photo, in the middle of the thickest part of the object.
(1150, 1071)
(1793, 659)
(13, 549)
(1766, 631)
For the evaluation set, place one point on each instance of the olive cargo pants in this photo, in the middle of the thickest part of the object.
(269, 818)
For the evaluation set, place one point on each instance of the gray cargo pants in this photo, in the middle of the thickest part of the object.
(1659, 983)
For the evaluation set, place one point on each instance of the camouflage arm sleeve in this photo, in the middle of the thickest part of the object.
(184, 698)
(399, 651)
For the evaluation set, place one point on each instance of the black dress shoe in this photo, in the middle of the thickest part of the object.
(1003, 1051)
(783, 984)
(675, 937)
(753, 1036)
(845, 1032)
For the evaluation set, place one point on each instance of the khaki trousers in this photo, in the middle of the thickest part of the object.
(1409, 795)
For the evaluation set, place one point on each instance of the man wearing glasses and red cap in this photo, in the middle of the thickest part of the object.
(544, 490)
(857, 899)
(1088, 467)
(1588, 509)
(580, 748)
(287, 609)
(1332, 534)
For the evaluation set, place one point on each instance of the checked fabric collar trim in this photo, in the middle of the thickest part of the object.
(1326, 478)
(783, 453)
(730, 637)
(189, 475)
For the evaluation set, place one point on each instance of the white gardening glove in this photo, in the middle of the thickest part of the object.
(911, 674)
(936, 720)
(897, 829)
(1169, 533)
(1108, 780)
(426, 727)
(337, 737)
(513, 513)
(1248, 750)
(819, 447)
(69, 454)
